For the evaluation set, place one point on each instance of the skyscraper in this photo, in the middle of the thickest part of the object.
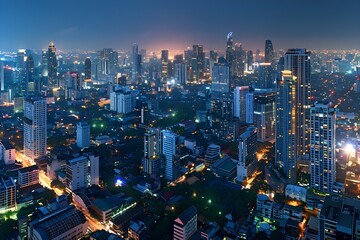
(265, 76)
(298, 62)
(136, 63)
(170, 144)
(107, 64)
(35, 123)
(243, 104)
(164, 64)
(286, 130)
(94, 169)
(83, 135)
(87, 69)
(229, 50)
(269, 51)
(29, 75)
(249, 60)
(238, 65)
(151, 162)
(180, 73)
(2, 77)
(220, 76)
(247, 162)
(264, 115)
(52, 65)
(322, 146)
(197, 63)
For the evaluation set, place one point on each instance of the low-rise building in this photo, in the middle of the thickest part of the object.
(28, 176)
(186, 224)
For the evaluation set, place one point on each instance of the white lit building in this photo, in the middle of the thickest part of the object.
(322, 147)
(243, 104)
(83, 135)
(35, 123)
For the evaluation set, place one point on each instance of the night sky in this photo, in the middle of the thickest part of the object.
(176, 24)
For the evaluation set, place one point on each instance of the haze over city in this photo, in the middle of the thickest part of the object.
(174, 25)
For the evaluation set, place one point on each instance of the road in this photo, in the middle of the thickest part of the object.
(45, 181)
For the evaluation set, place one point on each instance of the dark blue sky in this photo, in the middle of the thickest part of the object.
(175, 24)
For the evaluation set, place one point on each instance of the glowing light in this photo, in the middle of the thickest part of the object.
(349, 148)
(118, 183)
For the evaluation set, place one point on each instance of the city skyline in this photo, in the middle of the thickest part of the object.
(175, 25)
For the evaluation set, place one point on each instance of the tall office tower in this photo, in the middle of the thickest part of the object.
(170, 145)
(20, 59)
(265, 71)
(179, 58)
(186, 224)
(77, 173)
(151, 162)
(29, 75)
(249, 60)
(197, 63)
(264, 116)
(87, 69)
(229, 50)
(2, 77)
(222, 123)
(136, 63)
(65, 223)
(35, 123)
(243, 104)
(180, 73)
(322, 146)
(44, 64)
(220, 76)
(165, 64)
(298, 62)
(7, 194)
(269, 52)
(238, 67)
(188, 54)
(94, 169)
(73, 85)
(107, 64)
(83, 135)
(213, 55)
(52, 65)
(247, 163)
(212, 154)
(122, 101)
(150, 144)
(286, 129)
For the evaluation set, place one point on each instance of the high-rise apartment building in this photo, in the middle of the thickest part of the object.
(35, 124)
(7, 194)
(298, 62)
(322, 146)
(243, 104)
(247, 162)
(269, 52)
(264, 115)
(286, 130)
(197, 63)
(170, 146)
(87, 69)
(52, 65)
(77, 173)
(220, 77)
(83, 135)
